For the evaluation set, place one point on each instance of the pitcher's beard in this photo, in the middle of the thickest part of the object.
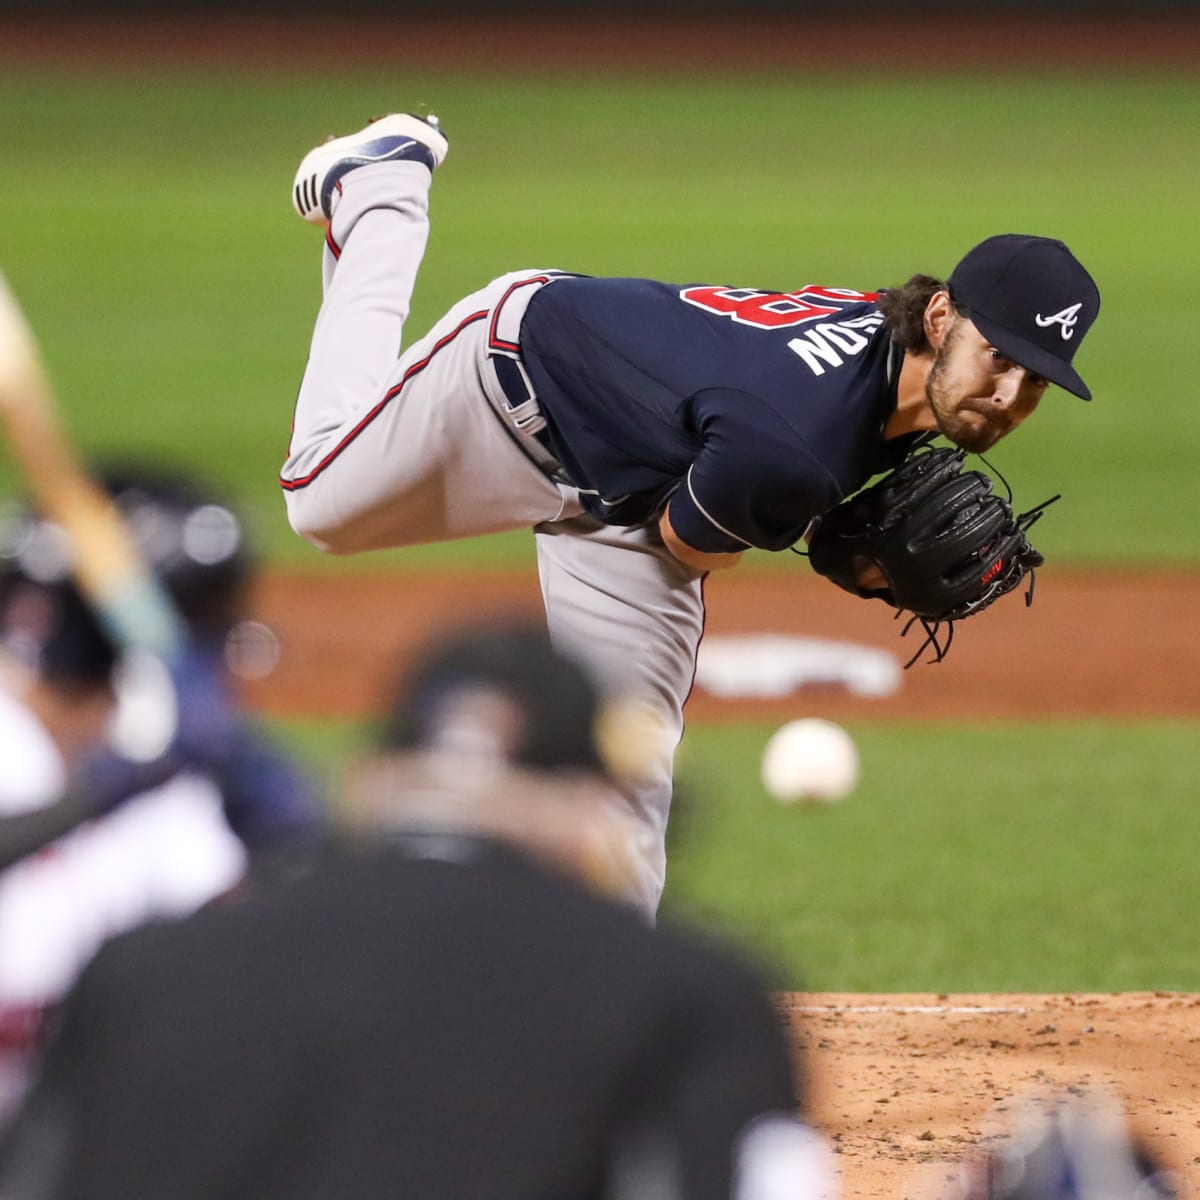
(969, 428)
(966, 428)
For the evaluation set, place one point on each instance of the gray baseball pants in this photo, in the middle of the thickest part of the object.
(427, 447)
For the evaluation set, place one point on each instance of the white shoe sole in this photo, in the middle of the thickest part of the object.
(306, 189)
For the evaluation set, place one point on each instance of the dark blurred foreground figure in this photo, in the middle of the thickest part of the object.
(456, 999)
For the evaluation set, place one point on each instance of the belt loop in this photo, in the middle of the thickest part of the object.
(504, 328)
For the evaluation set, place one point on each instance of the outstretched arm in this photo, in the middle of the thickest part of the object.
(114, 780)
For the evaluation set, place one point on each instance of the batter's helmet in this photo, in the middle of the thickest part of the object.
(191, 539)
(187, 535)
(503, 690)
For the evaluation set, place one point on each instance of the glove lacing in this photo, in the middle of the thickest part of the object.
(998, 587)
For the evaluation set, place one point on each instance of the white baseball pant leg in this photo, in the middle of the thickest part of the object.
(621, 601)
(388, 452)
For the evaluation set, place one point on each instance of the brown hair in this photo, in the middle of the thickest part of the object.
(903, 311)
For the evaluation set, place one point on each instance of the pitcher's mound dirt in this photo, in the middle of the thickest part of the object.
(906, 1085)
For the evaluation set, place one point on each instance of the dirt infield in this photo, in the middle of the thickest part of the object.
(1091, 644)
(901, 1083)
(906, 1085)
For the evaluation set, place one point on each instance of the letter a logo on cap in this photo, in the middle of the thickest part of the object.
(1066, 319)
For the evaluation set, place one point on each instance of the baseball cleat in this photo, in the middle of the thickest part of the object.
(398, 137)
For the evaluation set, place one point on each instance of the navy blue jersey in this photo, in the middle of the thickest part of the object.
(751, 411)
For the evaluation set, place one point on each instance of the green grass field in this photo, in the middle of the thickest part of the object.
(1031, 857)
(149, 234)
(1002, 857)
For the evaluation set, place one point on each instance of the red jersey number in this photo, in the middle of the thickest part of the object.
(773, 310)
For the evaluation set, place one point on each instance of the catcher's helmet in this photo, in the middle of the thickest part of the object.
(188, 537)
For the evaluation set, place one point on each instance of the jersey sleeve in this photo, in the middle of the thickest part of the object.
(755, 482)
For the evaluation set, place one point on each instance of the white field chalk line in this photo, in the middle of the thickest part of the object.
(964, 1009)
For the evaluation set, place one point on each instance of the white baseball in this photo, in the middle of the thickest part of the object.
(810, 760)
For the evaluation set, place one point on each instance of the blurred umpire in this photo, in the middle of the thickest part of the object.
(455, 999)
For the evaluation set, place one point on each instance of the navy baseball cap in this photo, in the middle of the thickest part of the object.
(1032, 299)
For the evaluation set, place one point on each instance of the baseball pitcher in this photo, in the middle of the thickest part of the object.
(651, 432)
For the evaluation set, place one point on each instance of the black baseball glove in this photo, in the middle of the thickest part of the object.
(943, 545)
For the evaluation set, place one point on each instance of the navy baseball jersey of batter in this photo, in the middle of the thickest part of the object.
(751, 411)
